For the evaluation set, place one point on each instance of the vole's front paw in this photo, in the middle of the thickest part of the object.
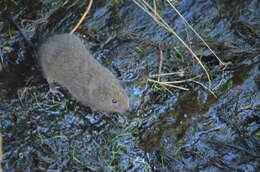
(54, 92)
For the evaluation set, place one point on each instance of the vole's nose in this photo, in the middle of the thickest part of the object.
(125, 107)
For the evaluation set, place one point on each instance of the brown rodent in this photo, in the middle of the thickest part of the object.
(65, 60)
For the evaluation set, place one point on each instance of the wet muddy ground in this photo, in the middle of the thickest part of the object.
(164, 131)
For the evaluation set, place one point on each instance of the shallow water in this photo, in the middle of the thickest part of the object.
(186, 131)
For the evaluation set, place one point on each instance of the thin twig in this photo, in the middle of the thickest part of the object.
(205, 88)
(167, 90)
(169, 85)
(180, 74)
(182, 81)
(160, 21)
(160, 65)
(220, 61)
(83, 17)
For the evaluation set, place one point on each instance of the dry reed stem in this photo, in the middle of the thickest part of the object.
(204, 42)
(167, 89)
(180, 74)
(82, 18)
(169, 85)
(182, 81)
(161, 22)
(160, 65)
(197, 82)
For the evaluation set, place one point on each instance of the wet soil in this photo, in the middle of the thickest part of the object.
(171, 130)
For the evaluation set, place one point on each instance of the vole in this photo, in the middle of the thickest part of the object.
(65, 60)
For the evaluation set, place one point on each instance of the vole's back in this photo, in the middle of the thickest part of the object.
(65, 60)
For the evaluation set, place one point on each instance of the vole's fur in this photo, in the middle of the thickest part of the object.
(65, 60)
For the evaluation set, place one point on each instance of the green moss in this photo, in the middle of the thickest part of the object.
(229, 84)
(158, 88)
(179, 54)
(257, 134)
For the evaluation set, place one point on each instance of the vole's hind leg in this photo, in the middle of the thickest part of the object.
(54, 91)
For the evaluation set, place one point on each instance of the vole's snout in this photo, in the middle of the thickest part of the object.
(125, 105)
(123, 110)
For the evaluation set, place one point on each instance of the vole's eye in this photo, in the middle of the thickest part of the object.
(114, 101)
